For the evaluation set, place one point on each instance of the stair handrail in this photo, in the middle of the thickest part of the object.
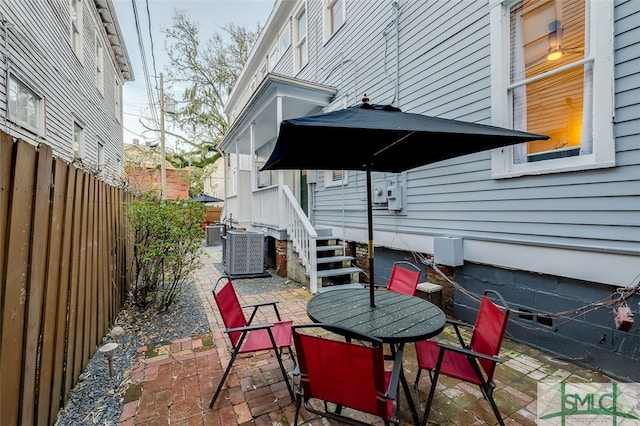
(302, 234)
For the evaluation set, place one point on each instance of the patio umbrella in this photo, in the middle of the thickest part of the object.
(381, 139)
(204, 198)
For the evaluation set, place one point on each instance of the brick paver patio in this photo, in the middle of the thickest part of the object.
(174, 383)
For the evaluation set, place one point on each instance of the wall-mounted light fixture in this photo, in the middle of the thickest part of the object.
(555, 41)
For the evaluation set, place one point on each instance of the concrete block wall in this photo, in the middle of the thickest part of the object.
(588, 337)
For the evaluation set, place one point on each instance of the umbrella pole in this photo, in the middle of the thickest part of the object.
(372, 301)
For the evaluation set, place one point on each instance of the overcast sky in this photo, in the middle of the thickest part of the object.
(211, 16)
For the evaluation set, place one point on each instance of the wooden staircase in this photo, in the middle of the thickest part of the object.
(335, 268)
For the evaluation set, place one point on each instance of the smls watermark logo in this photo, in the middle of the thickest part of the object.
(565, 404)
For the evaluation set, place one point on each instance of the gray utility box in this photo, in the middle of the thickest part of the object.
(214, 233)
(244, 252)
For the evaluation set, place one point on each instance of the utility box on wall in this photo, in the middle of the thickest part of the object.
(448, 251)
(394, 197)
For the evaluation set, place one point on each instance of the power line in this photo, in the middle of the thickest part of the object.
(143, 57)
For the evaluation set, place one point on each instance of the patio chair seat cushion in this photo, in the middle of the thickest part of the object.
(454, 364)
(258, 340)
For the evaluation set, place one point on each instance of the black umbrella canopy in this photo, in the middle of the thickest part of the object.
(204, 198)
(381, 139)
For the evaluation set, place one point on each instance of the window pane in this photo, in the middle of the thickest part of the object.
(545, 36)
(24, 105)
(337, 15)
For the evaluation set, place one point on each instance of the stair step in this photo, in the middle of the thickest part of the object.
(326, 238)
(331, 259)
(329, 248)
(338, 272)
(339, 286)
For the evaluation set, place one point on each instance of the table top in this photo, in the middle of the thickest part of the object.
(396, 318)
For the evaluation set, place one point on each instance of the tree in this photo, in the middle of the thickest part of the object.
(205, 73)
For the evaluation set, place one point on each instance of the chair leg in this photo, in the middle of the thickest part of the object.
(284, 374)
(494, 406)
(224, 377)
(415, 384)
(298, 405)
(434, 382)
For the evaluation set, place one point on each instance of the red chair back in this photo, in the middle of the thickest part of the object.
(488, 332)
(404, 280)
(343, 373)
(230, 310)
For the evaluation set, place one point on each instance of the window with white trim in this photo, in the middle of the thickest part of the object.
(99, 66)
(78, 140)
(300, 37)
(335, 178)
(101, 162)
(334, 16)
(76, 27)
(118, 100)
(546, 56)
(26, 107)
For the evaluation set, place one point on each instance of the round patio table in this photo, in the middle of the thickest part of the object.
(396, 319)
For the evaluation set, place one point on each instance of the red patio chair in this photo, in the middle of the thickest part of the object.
(474, 363)
(247, 337)
(348, 374)
(404, 278)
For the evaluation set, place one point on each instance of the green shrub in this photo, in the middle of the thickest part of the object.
(167, 239)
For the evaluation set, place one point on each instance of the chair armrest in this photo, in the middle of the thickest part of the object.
(258, 305)
(468, 352)
(395, 375)
(249, 327)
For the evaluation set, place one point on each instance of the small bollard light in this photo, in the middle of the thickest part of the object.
(117, 332)
(108, 350)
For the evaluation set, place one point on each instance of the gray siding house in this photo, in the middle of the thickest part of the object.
(554, 226)
(63, 65)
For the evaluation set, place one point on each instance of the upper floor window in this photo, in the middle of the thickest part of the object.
(300, 34)
(118, 100)
(76, 27)
(101, 161)
(555, 50)
(99, 66)
(26, 107)
(78, 140)
(334, 16)
(335, 178)
(281, 46)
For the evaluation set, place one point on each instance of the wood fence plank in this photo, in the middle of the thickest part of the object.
(64, 295)
(37, 269)
(90, 313)
(74, 274)
(54, 288)
(81, 332)
(6, 159)
(15, 295)
(6, 162)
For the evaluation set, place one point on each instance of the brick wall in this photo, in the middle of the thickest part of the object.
(145, 180)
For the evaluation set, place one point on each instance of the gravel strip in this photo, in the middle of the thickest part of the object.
(97, 398)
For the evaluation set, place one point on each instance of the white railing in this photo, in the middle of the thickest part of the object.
(265, 207)
(269, 209)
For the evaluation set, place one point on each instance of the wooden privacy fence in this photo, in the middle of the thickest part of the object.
(63, 274)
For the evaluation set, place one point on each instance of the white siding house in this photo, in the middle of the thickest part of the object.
(554, 226)
(63, 64)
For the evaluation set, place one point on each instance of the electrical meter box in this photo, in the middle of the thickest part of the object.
(394, 197)
(379, 194)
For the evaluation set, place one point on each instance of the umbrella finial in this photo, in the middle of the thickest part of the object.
(365, 99)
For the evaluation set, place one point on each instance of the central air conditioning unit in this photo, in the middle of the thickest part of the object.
(244, 253)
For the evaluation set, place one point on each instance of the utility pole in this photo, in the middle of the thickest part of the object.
(163, 156)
